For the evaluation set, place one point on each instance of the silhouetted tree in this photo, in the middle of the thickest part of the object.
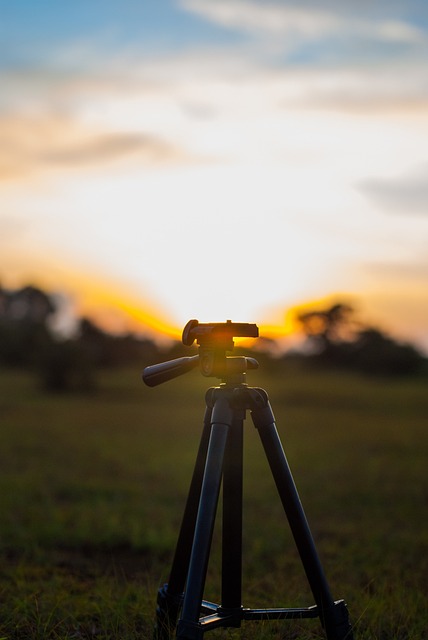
(24, 333)
(336, 339)
(328, 326)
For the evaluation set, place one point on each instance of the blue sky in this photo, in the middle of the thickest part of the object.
(217, 159)
(32, 31)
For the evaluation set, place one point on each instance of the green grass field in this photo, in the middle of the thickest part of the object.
(92, 490)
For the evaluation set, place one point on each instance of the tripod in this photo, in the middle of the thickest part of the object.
(220, 459)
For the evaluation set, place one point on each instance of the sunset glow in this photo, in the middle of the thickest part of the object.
(218, 160)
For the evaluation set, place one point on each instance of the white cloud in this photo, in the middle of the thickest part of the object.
(406, 194)
(396, 31)
(303, 22)
(267, 18)
(33, 144)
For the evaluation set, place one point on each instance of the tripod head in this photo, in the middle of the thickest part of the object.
(214, 340)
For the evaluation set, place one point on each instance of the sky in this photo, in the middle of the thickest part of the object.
(217, 159)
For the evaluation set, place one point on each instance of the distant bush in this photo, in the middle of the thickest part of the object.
(375, 353)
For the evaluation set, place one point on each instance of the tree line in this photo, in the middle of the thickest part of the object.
(333, 339)
(62, 363)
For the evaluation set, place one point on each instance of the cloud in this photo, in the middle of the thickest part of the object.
(393, 89)
(152, 97)
(265, 18)
(90, 149)
(406, 194)
(409, 272)
(397, 31)
(44, 142)
(202, 101)
(305, 21)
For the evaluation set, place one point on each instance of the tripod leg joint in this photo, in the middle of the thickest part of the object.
(220, 617)
(187, 630)
(337, 625)
(261, 410)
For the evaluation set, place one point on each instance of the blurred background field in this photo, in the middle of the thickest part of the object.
(92, 489)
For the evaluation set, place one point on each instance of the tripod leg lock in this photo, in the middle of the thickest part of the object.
(257, 401)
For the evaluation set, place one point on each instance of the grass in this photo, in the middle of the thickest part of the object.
(92, 490)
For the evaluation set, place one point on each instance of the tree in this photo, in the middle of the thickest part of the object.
(328, 326)
(24, 331)
(337, 339)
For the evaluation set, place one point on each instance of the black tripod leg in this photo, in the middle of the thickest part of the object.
(232, 521)
(334, 616)
(170, 596)
(222, 418)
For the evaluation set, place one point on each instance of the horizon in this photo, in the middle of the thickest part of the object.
(126, 317)
(217, 160)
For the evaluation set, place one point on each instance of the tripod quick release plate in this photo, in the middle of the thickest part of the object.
(217, 334)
